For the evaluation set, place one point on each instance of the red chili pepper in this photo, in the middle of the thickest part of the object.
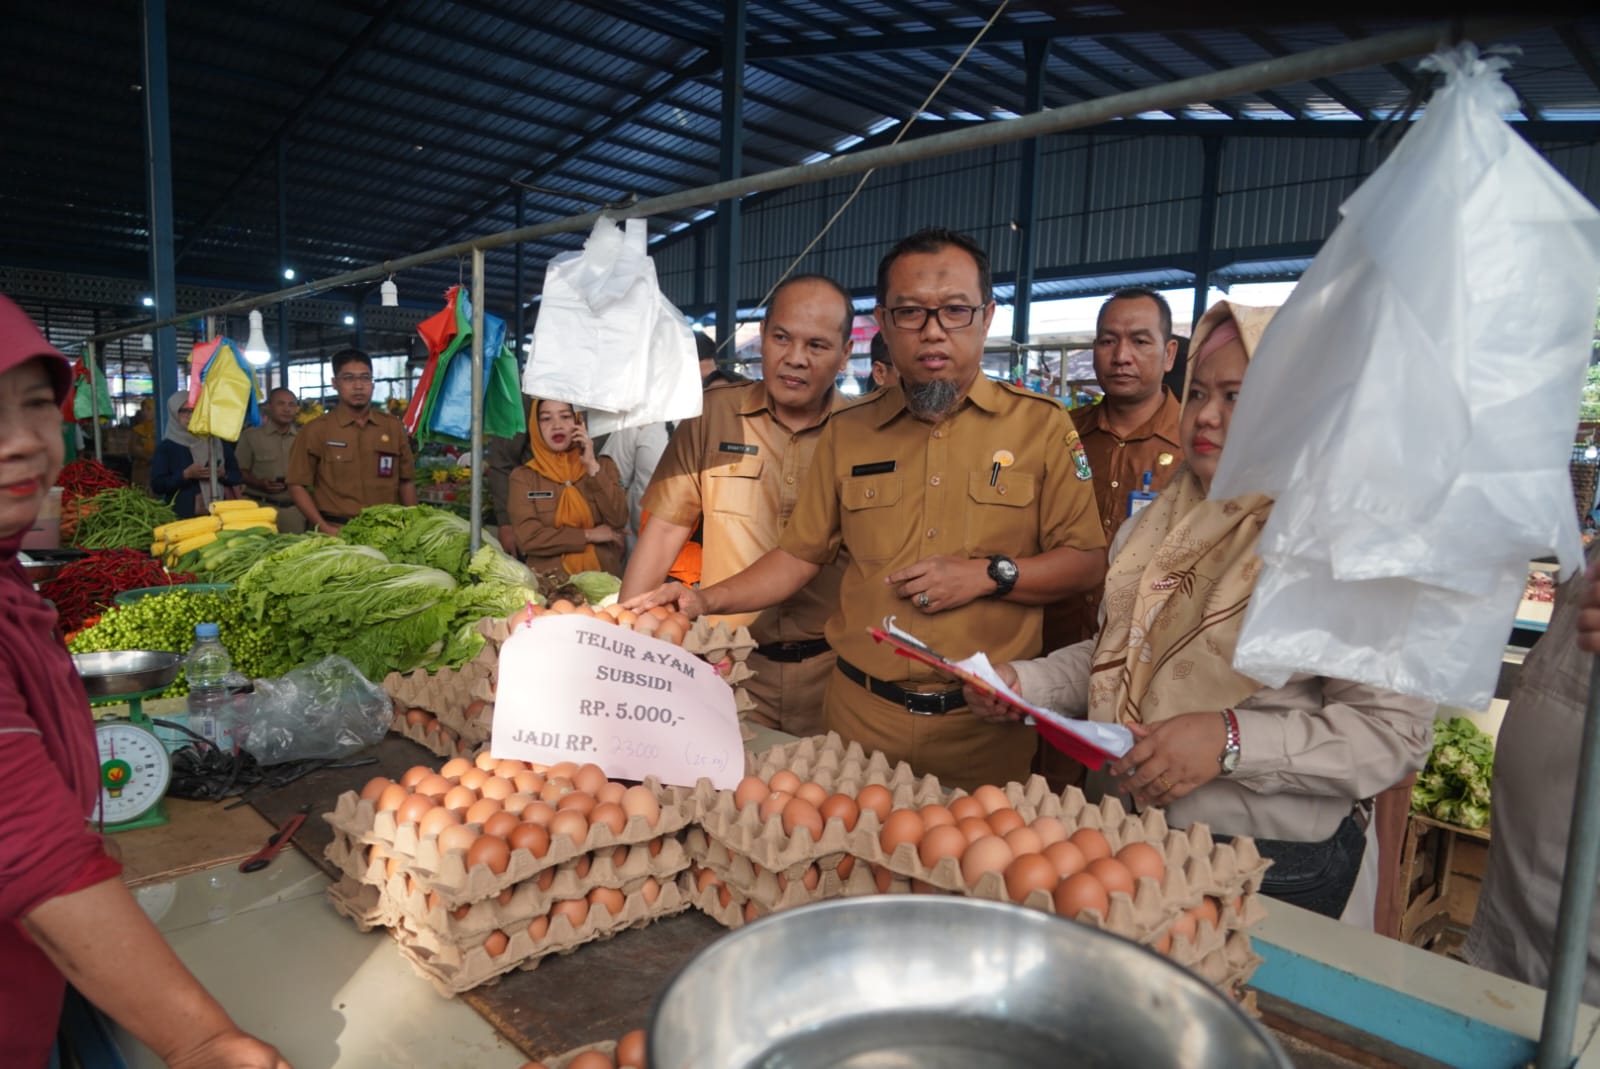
(86, 587)
(85, 478)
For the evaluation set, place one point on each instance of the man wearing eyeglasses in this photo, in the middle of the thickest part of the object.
(964, 506)
(352, 457)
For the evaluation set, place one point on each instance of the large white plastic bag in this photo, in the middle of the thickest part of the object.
(672, 377)
(596, 316)
(1412, 406)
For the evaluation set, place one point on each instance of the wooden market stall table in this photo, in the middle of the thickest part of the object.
(294, 972)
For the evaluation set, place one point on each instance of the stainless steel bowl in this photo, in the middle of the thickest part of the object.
(118, 672)
(927, 982)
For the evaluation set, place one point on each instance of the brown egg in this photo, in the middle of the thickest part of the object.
(508, 768)
(1005, 821)
(989, 854)
(1049, 830)
(682, 620)
(1143, 860)
(627, 618)
(391, 797)
(375, 786)
(538, 928)
(574, 826)
(611, 791)
(942, 841)
(1023, 840)
(490, 850)
(544, 880)
(811, 877)
(577, 801)
(591, 1059)
(562, 605)
(641, 801)
(750, 912)
(619, 856)
(456, 837)
(903, 826)
(800, 813)
(485, 762)
(580, 866)
(651, 889)
(967, 806)
(576, 910)
(459, 798)
(1185, 924)
(528, 783)
(482, 810)
(751, 789)
(992, 798)
(936, 815)
(630, 1050)
(433, 785)
(672, 631)
(504, 897)
(530, 837)
(474, 709)
(876, 798)
(772, 805)
(847, 865)
(609, 897)
(560, 770)
(497, 787)
(418, 717)
(660, 612)
(882, 878)
(454, 768)
(413, 809)
(611, 815)
(974, 828)
(1028, 873)
(1091, 842)
(436, 820)
(1079, 892)
(1163, 943)
(1112, 874)
(496, 943)
(815, 793)
(840, 807)
(654, 846)
(500, 824)
(785, 781)
(517, 803)
(589, 778)
(704, 878)
(1209, 911)
(540, 813)
(473, 778)
(556, 788)
(647, 624)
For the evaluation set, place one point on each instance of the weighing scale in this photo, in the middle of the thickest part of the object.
(135, 769)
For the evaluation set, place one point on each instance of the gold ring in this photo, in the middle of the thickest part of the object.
(1161, 781)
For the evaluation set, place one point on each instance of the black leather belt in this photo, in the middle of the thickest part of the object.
(793, 652)
(340, 520)
(919, 702)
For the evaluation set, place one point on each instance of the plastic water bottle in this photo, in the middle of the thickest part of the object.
(206, 669)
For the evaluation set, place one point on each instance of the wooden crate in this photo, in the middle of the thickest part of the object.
(1441, 871)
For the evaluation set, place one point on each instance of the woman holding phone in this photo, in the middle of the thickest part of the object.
(567, 504)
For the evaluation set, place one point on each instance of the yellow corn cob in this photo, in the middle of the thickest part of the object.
(220, 507)
(177, 532)
(249, 525)
(157, 548)
(236, 515)
(193, 542)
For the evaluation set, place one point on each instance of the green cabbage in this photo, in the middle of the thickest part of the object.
(1454, 785)
(598, 588)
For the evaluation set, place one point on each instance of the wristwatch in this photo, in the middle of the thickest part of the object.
(1229, 758)
(1003, 570)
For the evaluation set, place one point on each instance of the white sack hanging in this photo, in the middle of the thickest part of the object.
(1412, 406)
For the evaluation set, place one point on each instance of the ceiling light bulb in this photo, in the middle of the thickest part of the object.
(389, 294)
(255, 350)
(147, 343)
(288, 273)
(148, 302)
(349, 320)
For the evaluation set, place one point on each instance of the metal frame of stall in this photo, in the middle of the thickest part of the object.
(1317, 986)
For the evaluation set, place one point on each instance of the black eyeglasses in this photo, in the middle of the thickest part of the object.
(951, 316)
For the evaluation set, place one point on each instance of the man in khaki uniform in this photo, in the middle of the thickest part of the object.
(738, 469)
(263, 455)
(964, 505)
(352, 457)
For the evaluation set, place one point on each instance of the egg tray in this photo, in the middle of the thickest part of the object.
(607, 1047)
(1230, 968)
(454, 967)
(773, 890)
(447, 873)
(434, 741)
(358, 902)
(814, 755)
(708, 900)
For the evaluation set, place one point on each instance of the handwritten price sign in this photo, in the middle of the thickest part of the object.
(577, 689)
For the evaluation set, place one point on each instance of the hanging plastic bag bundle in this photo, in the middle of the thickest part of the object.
(222, 390)
(1411, 408)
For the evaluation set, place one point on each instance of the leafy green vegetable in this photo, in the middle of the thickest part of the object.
(597, 587)
(1454, 785)
(416, 534)
(491, 565)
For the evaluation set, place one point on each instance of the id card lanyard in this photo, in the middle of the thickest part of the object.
(1139, 499)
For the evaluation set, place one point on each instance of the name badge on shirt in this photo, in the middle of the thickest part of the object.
(740, 448)
(340, 445)
(541, 495)
(881, 467)
(385, 465)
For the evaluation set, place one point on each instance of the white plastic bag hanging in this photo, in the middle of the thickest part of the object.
(672, 376)
(1412, 405)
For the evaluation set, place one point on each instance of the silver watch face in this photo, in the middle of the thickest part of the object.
(1230, 761)
(1005, 570)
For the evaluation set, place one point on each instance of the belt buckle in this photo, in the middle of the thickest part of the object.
(923, 703)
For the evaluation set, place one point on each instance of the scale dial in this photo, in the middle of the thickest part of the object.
(135, 771)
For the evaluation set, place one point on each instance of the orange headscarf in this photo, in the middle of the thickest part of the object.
(572, 508)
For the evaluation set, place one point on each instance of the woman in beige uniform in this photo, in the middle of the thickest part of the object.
(567, 504)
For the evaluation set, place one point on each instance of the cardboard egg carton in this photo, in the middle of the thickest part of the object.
(718, 901)
(817, 756)
(774, 890)
(436, 741)
(455, 967)
(1231, 966)
(716, 643)
(358, 902)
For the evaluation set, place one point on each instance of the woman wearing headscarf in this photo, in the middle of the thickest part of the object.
(181, 468)
(567, 505)
(64, 912)
(1294, 766)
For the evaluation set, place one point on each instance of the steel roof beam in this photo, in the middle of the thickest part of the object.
(1216, 62)
(1275, 48)
(1573, 40)
(1063, 51)
(1160, 70)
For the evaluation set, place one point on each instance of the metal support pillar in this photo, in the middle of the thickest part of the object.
(519, 283)
(283, 262)
(158, 180)
(1206, 239)
(475, 538)
(731, 166)
(1027, 202)
(91, 354)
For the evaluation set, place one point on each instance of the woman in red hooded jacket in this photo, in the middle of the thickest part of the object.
(64, 912)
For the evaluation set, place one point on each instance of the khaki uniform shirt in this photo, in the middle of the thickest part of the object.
(1118, 464)
(532, 508)
(264, 452)
(348, 463)
(740, 471)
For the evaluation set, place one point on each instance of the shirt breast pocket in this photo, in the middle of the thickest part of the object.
(1001, 518)
(734, 489)
(868, 521)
